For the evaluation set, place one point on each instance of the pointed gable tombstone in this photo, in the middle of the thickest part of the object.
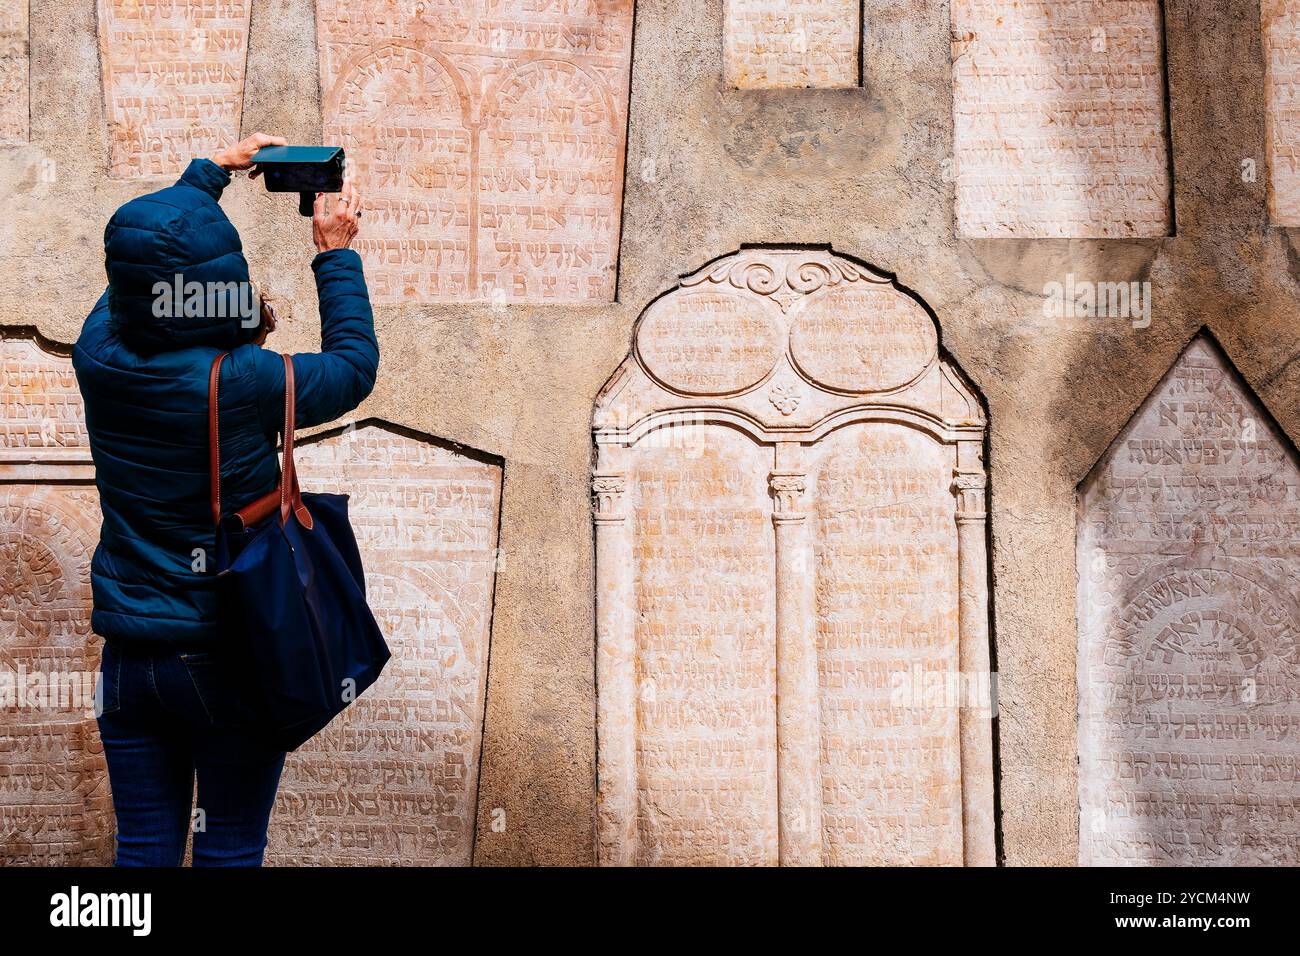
(1189, 672)
(394, 779)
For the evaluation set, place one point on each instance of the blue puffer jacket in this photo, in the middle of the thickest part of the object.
(144, 379)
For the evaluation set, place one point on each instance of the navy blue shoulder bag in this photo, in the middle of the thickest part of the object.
(295, 630)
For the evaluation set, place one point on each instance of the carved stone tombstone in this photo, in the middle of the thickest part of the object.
(791, 578)
(14, 57)
(55, 808)
(772, 44)
(395, 779)
(1281, 22)
(173, 75)
(1189, 614)
(1059, 118)
(491, 139)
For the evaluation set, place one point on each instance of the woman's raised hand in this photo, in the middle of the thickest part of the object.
(240, 156)
(336, 228)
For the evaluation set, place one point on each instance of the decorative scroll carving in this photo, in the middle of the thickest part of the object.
(55, 807)
(1281, 21)
(1059, 118)
(395, 778)
(15, 113)
(716, 625)
(1189, 668)
(491, 138)
(771, 44)
(173, 75)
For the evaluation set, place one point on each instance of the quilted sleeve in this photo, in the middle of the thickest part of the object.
(335, 380)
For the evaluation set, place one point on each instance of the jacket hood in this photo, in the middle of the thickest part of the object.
(177, 276)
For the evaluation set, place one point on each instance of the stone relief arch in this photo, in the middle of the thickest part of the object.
(785, 572)
(488, 205)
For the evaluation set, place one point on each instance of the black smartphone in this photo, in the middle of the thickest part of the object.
(306, 170)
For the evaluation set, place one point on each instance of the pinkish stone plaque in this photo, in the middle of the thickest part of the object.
(791, 580)
(490, 138)
(14, 63)
(55, 808)
(774, 44)
(1281, 21)
(173, 73)
(1059, 119)
(394, 780)
(1189, 668)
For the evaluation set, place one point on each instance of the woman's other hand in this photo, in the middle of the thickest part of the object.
(240, 156)
(336, 228)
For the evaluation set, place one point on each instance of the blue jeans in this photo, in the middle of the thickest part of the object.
(167, 718)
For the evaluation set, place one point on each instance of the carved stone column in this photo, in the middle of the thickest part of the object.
(798, 719)
(616, 774)
(979, 847)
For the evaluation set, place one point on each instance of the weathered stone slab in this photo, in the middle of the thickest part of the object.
(790, 558)
(173, 74)
(774, 44)
(1189, 686)
(1281, 22)
(886, 566)
(491, 139)
(1059, 119)
(15, 114)
(55, 808)
(394, 780)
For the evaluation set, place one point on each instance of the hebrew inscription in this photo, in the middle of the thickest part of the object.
(14, 58)
(1281, 21)
(55, 807)
(790, 571)
(1189, 671)
(394, 779)
(491, 138)
(886, 564)
(771, 44)
(173, 73)
(1059, 119)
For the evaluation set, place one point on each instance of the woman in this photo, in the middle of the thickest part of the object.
(142, 362)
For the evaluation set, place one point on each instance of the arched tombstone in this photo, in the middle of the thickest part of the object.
(791, 578)
(1189, 669)
(492, 140)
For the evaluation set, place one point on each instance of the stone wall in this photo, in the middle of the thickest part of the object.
(871, 172)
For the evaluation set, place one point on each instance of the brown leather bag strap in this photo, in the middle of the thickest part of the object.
(287, 495)
(214, 438)
(288, 474)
